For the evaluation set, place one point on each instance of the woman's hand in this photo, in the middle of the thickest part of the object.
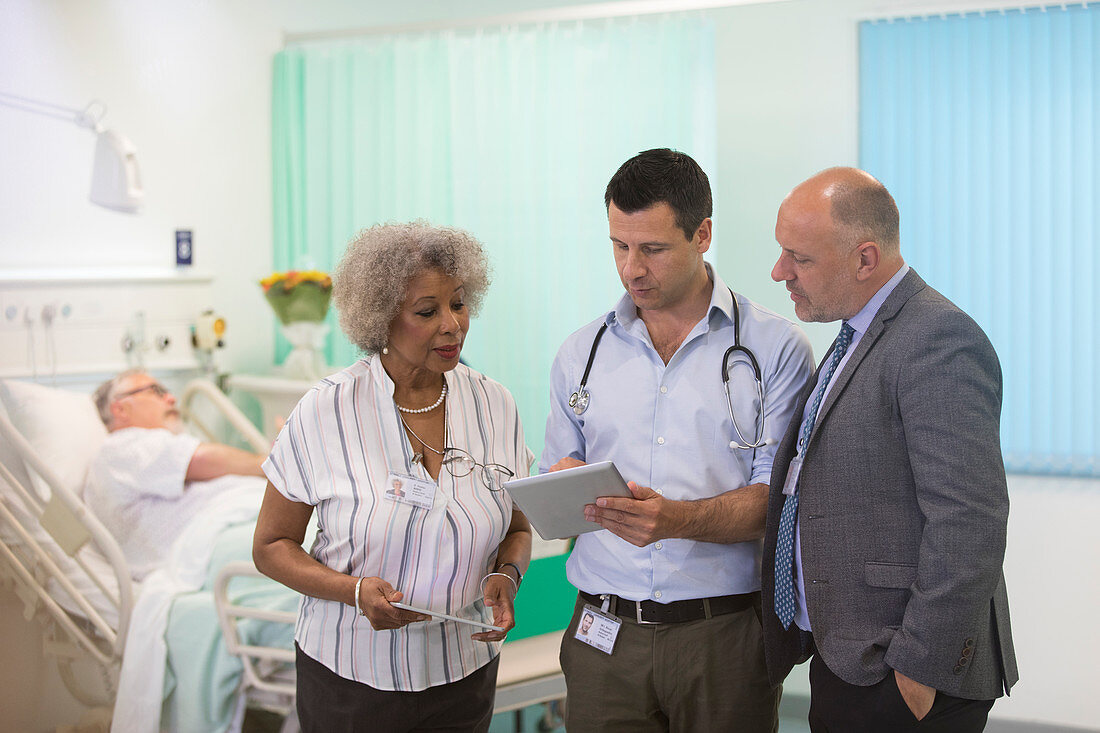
(375, 597)
(500, 594)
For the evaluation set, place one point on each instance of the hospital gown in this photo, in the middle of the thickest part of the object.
(137, 487)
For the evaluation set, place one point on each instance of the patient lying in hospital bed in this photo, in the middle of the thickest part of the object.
(150, 479)
(174, 653)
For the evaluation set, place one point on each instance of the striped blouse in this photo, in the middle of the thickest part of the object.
(335, 452)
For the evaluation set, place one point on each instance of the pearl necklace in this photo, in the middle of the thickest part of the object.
(429, 408)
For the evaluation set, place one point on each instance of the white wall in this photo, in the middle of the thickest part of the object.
(189, 83)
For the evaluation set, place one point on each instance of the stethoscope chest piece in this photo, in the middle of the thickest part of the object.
(579, 401)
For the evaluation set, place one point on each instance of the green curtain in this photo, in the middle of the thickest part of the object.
(511, 133)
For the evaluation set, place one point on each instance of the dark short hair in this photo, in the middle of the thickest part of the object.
(867, 212)
(665, 175)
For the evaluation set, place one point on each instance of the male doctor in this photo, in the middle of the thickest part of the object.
(672, 578)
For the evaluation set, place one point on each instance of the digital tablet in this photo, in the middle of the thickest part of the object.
(554, 502)
(436, 614)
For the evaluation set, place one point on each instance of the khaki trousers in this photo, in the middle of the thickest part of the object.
(692, 677)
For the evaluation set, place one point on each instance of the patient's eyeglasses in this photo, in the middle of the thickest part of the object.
(158, 389)
(459, 464)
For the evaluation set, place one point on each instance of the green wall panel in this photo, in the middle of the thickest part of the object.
(545, 602)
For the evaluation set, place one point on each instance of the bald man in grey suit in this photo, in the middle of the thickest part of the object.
(888, 505)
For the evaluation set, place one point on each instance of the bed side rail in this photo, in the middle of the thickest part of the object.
(67, 520)
(225, 406)
(255, 659)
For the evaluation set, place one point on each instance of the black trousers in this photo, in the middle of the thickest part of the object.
(838, 707)
(329, 703)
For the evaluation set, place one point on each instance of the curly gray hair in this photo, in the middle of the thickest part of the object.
(373, 276)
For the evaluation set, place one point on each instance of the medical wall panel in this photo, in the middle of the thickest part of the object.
(58, 328)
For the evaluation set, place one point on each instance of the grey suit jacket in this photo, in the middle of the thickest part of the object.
(903, 508)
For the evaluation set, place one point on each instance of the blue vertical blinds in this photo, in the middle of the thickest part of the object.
(984, 127)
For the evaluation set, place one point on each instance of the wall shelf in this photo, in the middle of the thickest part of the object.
(37, 277)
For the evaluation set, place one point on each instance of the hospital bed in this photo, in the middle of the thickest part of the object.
(65, 568)
(71, 576)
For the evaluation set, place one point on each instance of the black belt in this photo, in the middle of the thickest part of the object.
(694, 609)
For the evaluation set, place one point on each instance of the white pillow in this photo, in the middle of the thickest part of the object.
(63, 428)
(65, 431)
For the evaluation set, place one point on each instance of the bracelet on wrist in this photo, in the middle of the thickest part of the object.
(515, 585)
(519, 575)
(358, 585)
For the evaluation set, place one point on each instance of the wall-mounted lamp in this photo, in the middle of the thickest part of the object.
(116, 182)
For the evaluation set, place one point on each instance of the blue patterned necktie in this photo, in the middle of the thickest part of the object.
(784, 545)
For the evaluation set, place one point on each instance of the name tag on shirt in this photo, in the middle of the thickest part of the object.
(410, 490)
(598, 629)
(793, 471)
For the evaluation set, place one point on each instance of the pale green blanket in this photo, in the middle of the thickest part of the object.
(202, 679)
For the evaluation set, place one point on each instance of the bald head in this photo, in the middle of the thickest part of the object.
(860, 207)
(839, 234)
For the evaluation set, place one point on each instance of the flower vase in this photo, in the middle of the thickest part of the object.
(307, 340)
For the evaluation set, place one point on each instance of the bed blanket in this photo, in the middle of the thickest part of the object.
(142, 679)
(202, 681)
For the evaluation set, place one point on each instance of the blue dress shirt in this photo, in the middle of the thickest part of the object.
(859, 324)
(667, 427)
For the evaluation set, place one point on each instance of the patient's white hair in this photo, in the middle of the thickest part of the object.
(105, 393)
(372, 279)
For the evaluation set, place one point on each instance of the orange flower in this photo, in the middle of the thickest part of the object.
(292, 278)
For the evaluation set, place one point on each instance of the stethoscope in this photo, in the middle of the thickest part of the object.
(581, 398)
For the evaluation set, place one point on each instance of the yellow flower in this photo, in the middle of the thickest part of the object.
(292, 278)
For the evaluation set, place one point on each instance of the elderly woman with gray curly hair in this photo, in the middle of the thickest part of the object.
(403, 456)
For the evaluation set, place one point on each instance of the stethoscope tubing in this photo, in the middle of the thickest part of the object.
(580, 398)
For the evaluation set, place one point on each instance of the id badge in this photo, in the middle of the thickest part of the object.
(598, 629)
(410, 490)
(793, 471)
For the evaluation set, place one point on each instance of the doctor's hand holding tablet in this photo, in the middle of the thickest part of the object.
(577, 497)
